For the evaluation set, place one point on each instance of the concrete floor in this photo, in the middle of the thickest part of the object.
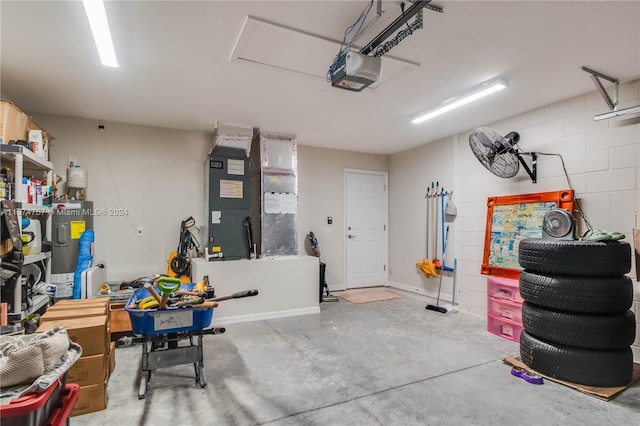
(382, 363)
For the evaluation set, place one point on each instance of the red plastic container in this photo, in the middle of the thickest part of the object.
(33, 409)
(61, 414)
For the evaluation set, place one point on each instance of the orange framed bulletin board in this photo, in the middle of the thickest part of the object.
(511, 219)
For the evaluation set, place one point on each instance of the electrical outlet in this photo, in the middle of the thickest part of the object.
(139, 231)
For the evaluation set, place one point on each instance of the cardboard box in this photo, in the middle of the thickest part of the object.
(46, 137)
(89, 370)
(36, 141)
(14, 124)
(74, 308)
(92, 398)
(61, 308)
(56, 314)
(112, 357)
(89, 332)
(120, 320)
(72, 303)
(35, 136)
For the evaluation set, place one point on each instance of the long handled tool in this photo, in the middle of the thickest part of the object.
(437, 307)
(442, 215)
(436, 262)
(237, 295)
(200, 302)
(428, 222)
(427, 268)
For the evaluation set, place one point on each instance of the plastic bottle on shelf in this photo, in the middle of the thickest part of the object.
(25, 190)
(3, 187)
(31, 236)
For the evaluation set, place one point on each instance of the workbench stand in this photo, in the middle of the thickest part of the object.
(162, 350)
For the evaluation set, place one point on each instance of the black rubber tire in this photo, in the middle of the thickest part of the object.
(599, 332)
(589, 295)
(582, 366)
(574, 257)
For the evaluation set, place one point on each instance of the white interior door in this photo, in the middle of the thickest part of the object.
(366, 229)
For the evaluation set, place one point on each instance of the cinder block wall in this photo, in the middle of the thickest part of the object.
(603, 162)
(602, 159)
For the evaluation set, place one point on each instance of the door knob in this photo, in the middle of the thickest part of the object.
(351, 236)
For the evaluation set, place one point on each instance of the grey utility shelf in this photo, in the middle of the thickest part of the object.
(23, 160)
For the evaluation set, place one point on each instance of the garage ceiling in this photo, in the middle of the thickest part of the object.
(188, 65)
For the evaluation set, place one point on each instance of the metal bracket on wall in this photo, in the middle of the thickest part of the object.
(611, 103)
(533, 170)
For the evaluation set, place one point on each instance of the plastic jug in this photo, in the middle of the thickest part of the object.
(31, 237)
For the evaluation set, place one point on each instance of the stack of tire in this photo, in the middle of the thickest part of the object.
(576, 318)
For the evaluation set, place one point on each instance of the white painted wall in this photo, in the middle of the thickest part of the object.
(287, 286)
(602, 159)
(153, 173)
(412, 172)
(156, 174)
(321, 194)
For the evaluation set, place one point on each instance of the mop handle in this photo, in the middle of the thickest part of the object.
(442, 268)
(444, 246)
(442, 214)
(428, 197)
(435, 221)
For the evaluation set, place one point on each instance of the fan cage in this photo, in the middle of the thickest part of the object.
(504, 165)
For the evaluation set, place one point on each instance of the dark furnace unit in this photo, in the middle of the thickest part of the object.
(227, 234)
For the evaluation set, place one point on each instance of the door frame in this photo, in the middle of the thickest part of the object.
(386, 231)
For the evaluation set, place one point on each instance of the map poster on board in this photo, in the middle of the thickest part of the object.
(511, 219)
(510, 224)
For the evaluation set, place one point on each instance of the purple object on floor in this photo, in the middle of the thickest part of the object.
(530, 378)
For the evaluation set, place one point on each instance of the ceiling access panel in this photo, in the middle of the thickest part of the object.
(299, 53)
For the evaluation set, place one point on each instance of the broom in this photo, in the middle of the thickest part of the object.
(435, 260)
(437, 306)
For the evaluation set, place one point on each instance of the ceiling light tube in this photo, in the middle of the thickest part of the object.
(478, 92)
(100, 28)
(619, 112)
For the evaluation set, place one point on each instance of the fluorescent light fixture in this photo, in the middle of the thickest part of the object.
(617, 113)
(100, 29)
(478, 92)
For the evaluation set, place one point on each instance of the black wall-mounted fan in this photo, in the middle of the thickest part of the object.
(499, 154)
